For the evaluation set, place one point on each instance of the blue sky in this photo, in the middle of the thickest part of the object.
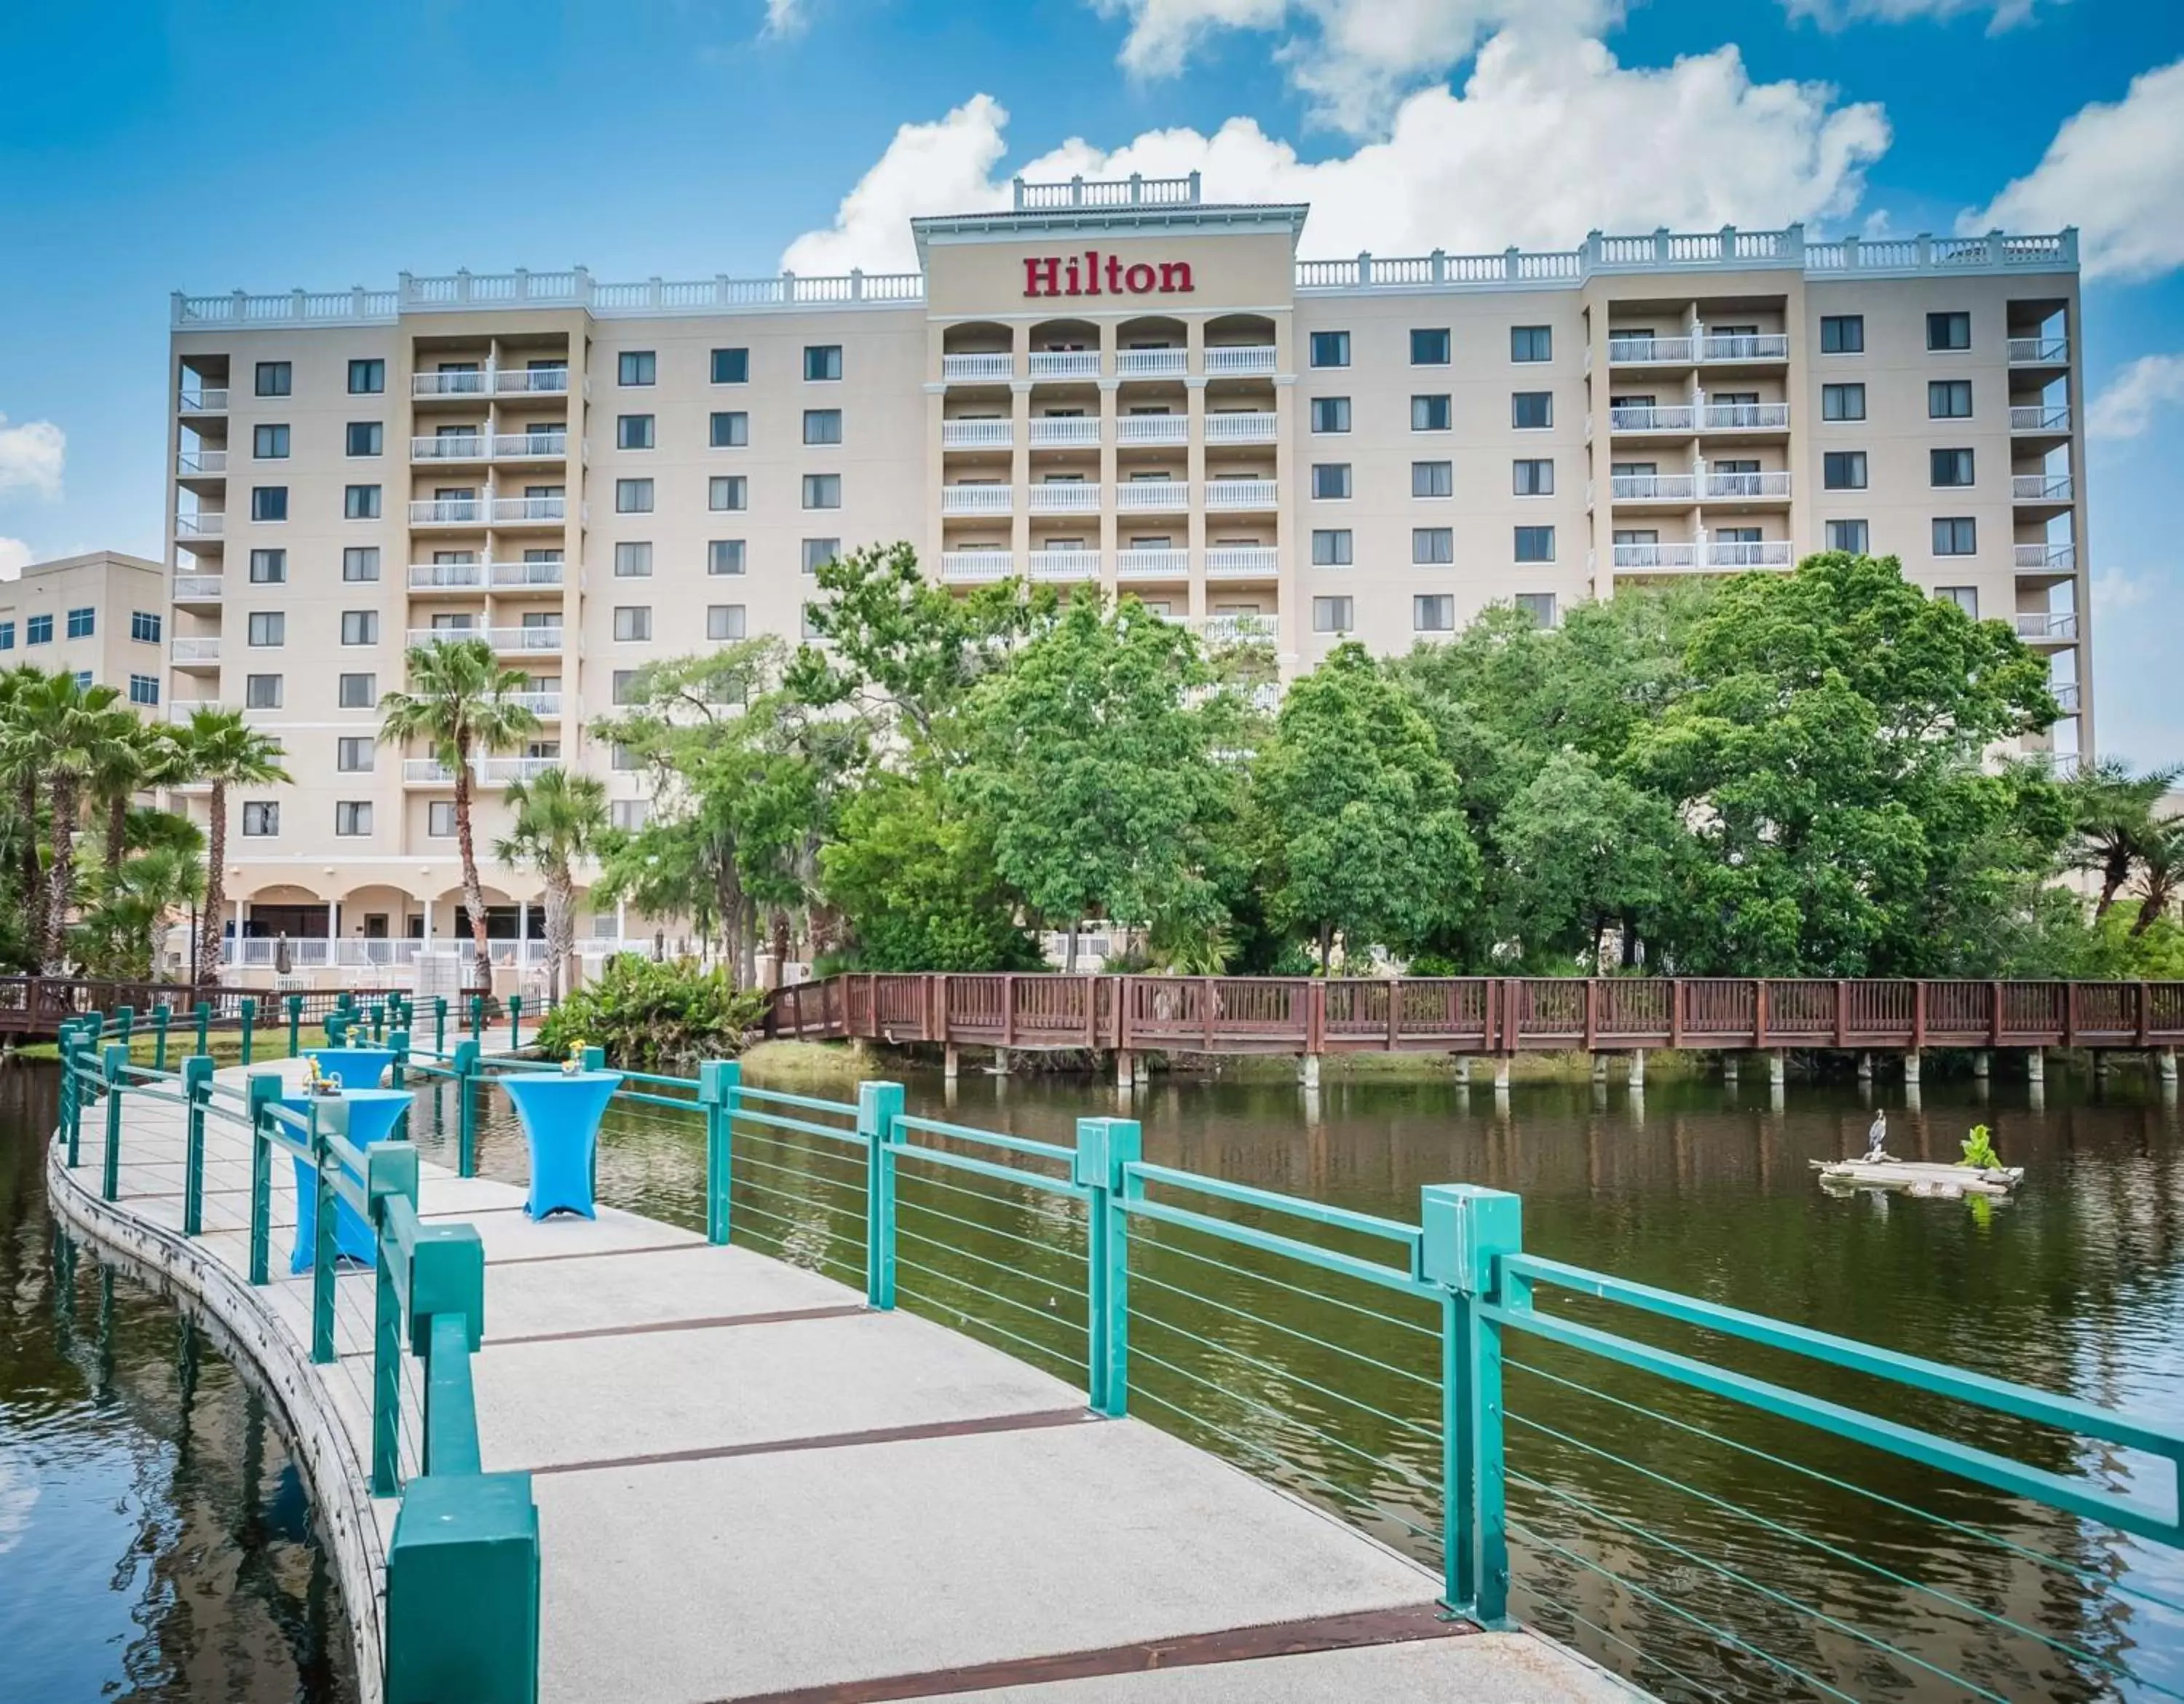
(146, 147)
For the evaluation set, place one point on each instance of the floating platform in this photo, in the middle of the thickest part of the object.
(1920, 1176)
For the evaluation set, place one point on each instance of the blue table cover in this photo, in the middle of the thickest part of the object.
(373, 1114)
(560, 1116)
(359, 1067)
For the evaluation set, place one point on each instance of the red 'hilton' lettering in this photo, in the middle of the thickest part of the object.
(1051, 275)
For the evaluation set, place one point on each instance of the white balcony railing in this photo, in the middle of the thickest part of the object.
(978, 499)
(1628, 351)
(1065, 364)
(2039, 488)
(444, 635)
(199, 589)
(498, 772)
(2048, 625)
(197, 464)
(530, 446)
(1772, 483)
(437, 577)
(1241, 426)
(309, 952)
(1240, 562)
(1236, 630)
(1759, 553)
(1656, 556)
(1762, 346)
(537, 703)
(978, 434)
(1653, 488)
(1680, 417)
(475, 382)
(429, 772)
(974, 566)
(548, 574)
(506, 510)
(2040, 417)
(1744, 417)
(202, 399)
(447, 512)
(1152, 429)
(1064, 497)
(448, 446)
(1149, 363)
(978, 369)
(187, 652)
(201, 525)
(531, 381)
(2047, 556)
(2039, 351)
(1239, 361)
(1232, 495)
(1065, 432)
(2066, 695)
(1065, 565)
(1151, 496)
(1152, 564)
(524, 637)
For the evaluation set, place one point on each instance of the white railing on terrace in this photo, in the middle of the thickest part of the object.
(2039, 488)
(448, 446)
(1656, 556)
(204, 524)
(1240, 562)
(1152, 429)
(1759, 553)
(2062, 555)
(1744, 417)
(551, 381)
(976, 565)
(1065, 432)
(427, 577)
(444, 635)
(1761, 346)
(530, 446)
(1239, 360)
(1636, 351)
(202, 399)
(1134, 191)
(447, 512)
(524, 573)
(1059, 497)
(978, 434)
(1234, 629)
(1143, 496)
(486, 772)
(1242, 494)
(2039, 351)
(1653, 488)
(1773, 482)
(978, 499)
(1152, 563)
(524, 637)
(2048, 625)
(2040, 417)
(1241, 426)
(1679, 418)
(1064, 363)
(199, 589)
(191, 463)
(978, 368)
(507, 509)
(1065, 565)
(1149, 363)
(469, 382)
(537, 703)
(186, 651)
(260, 952)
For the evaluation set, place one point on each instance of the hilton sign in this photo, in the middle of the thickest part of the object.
(1094, 274)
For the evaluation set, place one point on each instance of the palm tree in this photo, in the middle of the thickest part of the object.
(2160, 873)
(219, 746)
(560, 818)
(462, 703)
(20, 768)
(2115, 821)
(67, 734)
(126, 917)
(138, 756)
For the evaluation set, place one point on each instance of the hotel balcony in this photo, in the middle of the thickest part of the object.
(1764, 553)
(1241, 426)
(1744, 417)
(531, 381)
(1653, 488)
(447, 512)
(2039, 352)
(1239, 361)
(199, 655)
(1715, 348)
(537, 703)
(978, 499)
(1152, 564)
(1681, 418)
(2066, 695)
(1641, 352)
(2040, 419)
(1149, 363)
(516, 576)
(530, 446)
(1772, 485)
(1063, 363)
(448, 446)
(204, 524)
(978, 434)
(201, 590)
(2048, 627)
(446, 577)
(476, 381)
(1242, 561)
(973, 566)
(980, 369)
(1235, 629)
(1065, 432)
(513, 640)
(1132, 429)
(1653, 558)
(1064, 497)
(529, 512)
(200, 398)
(2040, 488)
(1152, 496)
(485, 771)
(2048, 559)
(200, 464)
(1065, 565)
(1229, 496)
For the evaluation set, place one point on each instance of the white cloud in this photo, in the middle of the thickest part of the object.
(16, 556)
(2115, 170)
(30, 456)
(1838, 14)
(785, 17)
(1550, 137)
(2127, 406)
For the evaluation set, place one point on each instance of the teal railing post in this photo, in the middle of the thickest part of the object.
(204, 1024)
(516, 1023)
(265, 1090)
(327, 1118)
(196, 1090)
(1466, 1230)
(390, 1172)
(71, 1121)
(116, 1074)
(160, 1016)
(125, 1023)
(465, 1069)
(462, 1591)
(399, 1042)
(378, 1022)
(295, 1025)
(594, 1059)
(439, 1026)
(249, 1018)
(878, 1106)
(1106, 1148)
(477, 1017)
(717, 1081)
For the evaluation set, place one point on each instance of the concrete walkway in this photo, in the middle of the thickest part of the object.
(751, 1487)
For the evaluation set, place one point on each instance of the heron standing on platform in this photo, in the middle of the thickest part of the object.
(1876, 1138)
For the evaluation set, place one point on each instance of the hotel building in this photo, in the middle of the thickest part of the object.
(1112, 383)
(101, 617)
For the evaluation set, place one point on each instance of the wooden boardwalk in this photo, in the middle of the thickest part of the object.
(751, 1487)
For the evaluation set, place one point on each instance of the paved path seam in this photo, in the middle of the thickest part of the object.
(1039, 1420)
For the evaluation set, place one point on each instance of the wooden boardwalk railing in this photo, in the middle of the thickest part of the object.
(39, 1005)
(1472, 1014)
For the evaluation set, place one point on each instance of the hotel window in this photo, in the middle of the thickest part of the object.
(1539, 605)
(82, 623)
(1956, 536)
(6, 635)
(632, 561)
(359, 626)
(822, 490)
(632, 496)
(269, 502)
(731, 366)
(724, 621)
(1842, 334)
(1430, 414)
(1429, 348)
(360, 564)
(143, 688)
(38, 630)
(275, 378)
(1433, 479)
(1330, 348)
(1965, 598)
(269, 443)
(1535, 478)
(623, 681)
(440, 819)
(144, 627)
(634, 431)
(1843, 469)
(261, 692)
(724, 556)
(730, 429)
(268, 568)
(366, 437)
(367, 378)
(637, 367)
(1332, 615)
(268, 628)
(822, 361)
(1531, 343)
(1949, 331)
(621, 757)
(1330, 480)
(1532, 410)
(1950, 466)
(820, 550)
(261, 819)
(630, 815)
(632, 623)
(1535, 544)
(82, 678)
(1848, 535)
(1433, 546)
(1842, 402)
(1330, 547)
(352, 816)
(357, 691)
(1330, 413)
(1433, 614)
(823, 426)
(353, 754)
(1949, 398)
(727, 494)
(360, 503)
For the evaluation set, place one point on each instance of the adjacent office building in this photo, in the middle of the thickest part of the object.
(101, 617)
(1118, 384)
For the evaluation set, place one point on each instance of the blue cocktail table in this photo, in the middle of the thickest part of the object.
(373, 1114)
(359, 1067)
(560, 1116)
